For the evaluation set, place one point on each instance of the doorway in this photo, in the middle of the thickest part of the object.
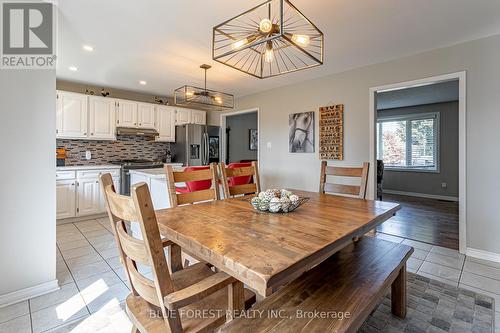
(418, 148)
(240, 136)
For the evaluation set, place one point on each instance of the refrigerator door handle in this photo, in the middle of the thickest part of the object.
(206, 148)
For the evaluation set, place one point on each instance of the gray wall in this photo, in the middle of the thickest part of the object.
(479, 58)
(430, 182)
(239, 137)
(27, 198)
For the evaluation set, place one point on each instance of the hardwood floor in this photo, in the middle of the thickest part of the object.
(425, 220)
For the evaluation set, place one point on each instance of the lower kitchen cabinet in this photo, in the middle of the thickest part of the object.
(66, 198)
(89, 197)
(82, 195)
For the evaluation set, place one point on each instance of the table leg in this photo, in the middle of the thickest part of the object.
(175, 258)
(398, 294)
(236, 299)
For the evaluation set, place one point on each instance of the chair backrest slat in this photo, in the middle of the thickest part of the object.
(144, 286)
(358, 190)
(193, 197)
(240, 172)
(229, 172)
(243, 189)
(192, 176)
(174, 177)
(133, 248)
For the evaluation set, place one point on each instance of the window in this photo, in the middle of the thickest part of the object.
(409, 142)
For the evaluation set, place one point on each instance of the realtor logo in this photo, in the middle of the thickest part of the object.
(28, 35)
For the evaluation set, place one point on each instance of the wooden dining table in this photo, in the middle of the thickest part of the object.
(265, 250)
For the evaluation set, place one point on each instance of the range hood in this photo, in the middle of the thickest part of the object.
(148, 132)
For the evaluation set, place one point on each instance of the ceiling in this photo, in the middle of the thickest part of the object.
(428, 94)
(164, 42)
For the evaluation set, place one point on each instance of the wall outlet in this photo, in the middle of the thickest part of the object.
(269, 145)
(444, 185)
(88, 155)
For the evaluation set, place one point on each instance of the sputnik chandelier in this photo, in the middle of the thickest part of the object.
(271, 39)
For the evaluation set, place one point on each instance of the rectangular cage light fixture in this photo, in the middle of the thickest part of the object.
(270, 39)
(203, 98)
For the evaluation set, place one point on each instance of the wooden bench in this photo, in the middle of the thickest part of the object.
(348, 285)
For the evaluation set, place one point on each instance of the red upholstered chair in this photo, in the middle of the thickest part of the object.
(233, 181)
(198, 185)
(239, 179)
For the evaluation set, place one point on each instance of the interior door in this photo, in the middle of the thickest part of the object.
(146, 115)
(71, 115)
(127, 113)
(102, 118)
(89, 197)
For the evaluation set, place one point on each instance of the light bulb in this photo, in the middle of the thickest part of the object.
(265, 26)
(238, 44)
(301, 40)
(189, 93)
(218, 99)
(269, 54)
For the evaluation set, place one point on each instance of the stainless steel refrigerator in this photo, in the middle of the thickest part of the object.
(197, 144)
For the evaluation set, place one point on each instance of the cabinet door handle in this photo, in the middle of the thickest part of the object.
(85, 133)
(73, 184)
(91, 133)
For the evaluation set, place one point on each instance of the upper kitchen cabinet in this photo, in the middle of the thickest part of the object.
(187, 116)
(71, 115)
(165, 123)
(182, 116)
(198, 117)
(102, 114)
(146, 115)
(127, 113)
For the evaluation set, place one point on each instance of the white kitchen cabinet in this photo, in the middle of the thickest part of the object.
(127, 113)
(198, 117)
(89, 197)
(182, 116)
(79, 191)
(102, 114)
(71, 115)
(165, 123)
(66, 198)
(146, 115)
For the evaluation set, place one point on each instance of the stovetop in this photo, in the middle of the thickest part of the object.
(138, 163)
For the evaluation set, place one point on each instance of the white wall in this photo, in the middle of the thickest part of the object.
(27, 196)
(479, 58)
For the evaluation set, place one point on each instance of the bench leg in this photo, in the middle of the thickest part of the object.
(398, 294)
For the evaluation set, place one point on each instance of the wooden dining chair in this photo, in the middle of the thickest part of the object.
(107, 180)
(357, 190)
(240, 178)
(175, 177)
(161, 304)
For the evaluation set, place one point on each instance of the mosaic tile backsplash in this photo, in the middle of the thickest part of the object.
(104, 152)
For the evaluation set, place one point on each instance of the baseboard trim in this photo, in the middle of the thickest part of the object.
(423, 195)
(30, 292)
(80, 218)
(481, 254)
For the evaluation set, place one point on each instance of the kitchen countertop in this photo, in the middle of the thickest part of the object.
(158, 173)
(87, 167)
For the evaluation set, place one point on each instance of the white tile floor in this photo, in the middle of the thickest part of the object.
(94, 286)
